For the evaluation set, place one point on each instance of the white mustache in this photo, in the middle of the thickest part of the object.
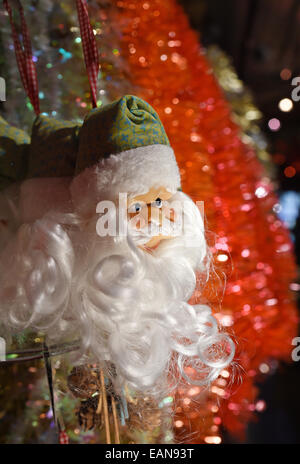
(154, 228)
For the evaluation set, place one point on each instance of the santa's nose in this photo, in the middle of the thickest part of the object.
(150, 214)
(157, 214)
(154, 215)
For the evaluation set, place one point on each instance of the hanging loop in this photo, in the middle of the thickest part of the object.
(24, 55)
(89, 47)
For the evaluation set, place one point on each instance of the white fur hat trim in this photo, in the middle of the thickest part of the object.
(133, 172)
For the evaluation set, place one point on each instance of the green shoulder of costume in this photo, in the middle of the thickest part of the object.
(50, 152)
(14, 152)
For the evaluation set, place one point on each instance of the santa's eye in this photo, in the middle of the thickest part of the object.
(135, 208)
(158, 203)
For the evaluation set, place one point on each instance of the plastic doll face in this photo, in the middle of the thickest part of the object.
(151, 207)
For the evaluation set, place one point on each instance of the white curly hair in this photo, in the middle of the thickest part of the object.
(127, 307)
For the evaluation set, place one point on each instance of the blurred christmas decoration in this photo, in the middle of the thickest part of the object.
(98, 415)
(25, 404)
(244, 112)
(88, 381)
(124, 419)
(149, 49)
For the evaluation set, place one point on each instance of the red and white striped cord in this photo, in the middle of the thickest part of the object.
(89, 46)
(24, 56)
(63, 438)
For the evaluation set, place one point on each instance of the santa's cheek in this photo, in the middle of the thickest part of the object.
(170, 214)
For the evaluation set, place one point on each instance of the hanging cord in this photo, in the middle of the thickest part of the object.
(24, 55)
(89, 46)
(50, 381)
(63, 438)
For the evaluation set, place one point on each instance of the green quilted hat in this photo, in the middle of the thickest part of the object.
(123, 147)
(14, 152)
(123, 125)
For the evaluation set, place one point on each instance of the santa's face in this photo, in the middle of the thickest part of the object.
(148, 213)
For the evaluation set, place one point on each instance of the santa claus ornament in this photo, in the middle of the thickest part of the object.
(102, 246)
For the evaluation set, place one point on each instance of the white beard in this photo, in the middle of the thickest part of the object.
(128, 307)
